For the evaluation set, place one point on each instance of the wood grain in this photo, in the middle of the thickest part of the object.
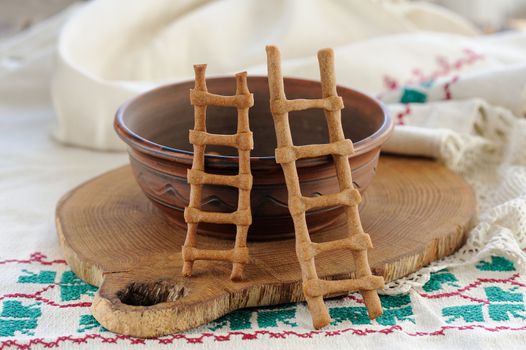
(416, 211)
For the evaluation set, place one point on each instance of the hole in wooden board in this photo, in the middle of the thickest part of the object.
(147, 294)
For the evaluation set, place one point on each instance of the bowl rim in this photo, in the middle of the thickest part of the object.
(135, 141)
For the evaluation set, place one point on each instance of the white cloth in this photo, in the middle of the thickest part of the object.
(470, 116)
(112, 50)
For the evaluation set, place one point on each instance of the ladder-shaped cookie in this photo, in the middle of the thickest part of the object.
(340, 148)
(243, 141)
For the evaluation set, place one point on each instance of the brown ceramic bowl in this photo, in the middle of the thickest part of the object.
(155, 126)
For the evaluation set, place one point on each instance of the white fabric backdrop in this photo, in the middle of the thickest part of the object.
(112, 50)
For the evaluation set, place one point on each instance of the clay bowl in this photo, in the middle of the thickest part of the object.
(155, 126)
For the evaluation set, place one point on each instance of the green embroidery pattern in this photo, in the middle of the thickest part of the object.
(72, 287)
(276, 317)
(469, 313)
(18, 318)
(353, 314)
(42, 277)
(481, 300)
(501, 305)
(88, 322)
(413, 95)
(265, 318)
(498, 263)
(397, 309)
(439, 279)
(237, 320)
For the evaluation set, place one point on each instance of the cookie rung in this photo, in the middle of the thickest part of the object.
(205, 98)
(331, 103)
(317, 287)
(239, 217)
(242, 141)
(348, 197)
(293, 153)
(358, 241)
(199, 177)
(234, 255)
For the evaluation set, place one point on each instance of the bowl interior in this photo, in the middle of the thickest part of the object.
(164, 116)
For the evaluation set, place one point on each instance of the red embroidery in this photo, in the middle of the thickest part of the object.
(447, 87)
(244, 336)
(391, 83)
(444, 68)
(37, 296)
(36, 257)
(478, 282)
(400, 117)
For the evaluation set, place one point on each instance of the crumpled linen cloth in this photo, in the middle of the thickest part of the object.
(111, 50)
(455, 98)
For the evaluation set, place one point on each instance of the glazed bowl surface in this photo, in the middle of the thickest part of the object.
(155, 126)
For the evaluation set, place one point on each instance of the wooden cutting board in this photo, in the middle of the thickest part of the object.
(416, 211)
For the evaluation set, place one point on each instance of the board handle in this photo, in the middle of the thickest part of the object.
(142, 309)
